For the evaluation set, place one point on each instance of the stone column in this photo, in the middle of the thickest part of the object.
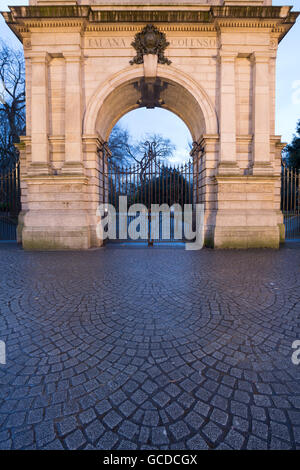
(39, 113)
(261, 163)
(227, 114)
(73, 114)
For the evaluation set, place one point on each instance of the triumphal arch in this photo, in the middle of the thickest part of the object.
(212, 62)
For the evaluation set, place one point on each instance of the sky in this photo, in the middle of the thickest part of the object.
(142, 121)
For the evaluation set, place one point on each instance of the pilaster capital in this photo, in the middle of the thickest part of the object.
(38, 57)
(73, 56)
(209, 142)
(227, 56)
(92, 142)
(260, 56)
(210, 138)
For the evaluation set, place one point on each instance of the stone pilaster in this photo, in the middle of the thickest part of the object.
(39, 113)
(73, 113)
(207, 188)
(261, 163)
(227, 114)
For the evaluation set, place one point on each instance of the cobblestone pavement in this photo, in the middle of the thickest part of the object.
(140, 348)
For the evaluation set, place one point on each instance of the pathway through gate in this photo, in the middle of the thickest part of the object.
(151, 182)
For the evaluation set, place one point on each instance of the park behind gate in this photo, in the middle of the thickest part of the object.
(151, 182)
(154, 182)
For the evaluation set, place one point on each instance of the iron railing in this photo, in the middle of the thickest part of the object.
(154, 182)
(10, 201)
(290, 201)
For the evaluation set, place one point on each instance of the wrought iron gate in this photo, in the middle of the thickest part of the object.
(10, 204)
(290, 201)
(153, 182)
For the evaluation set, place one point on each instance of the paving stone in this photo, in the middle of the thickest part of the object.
(103, 406)
(127, 445)
(277, 444)
(127, 408)
(254, 443)
(149, 386)
(161, 399)
(202, 408)
(212, 431)
(54, 445)
(16, 419)
(159, 436)
(234, 439)
(138, 365)
(112, 419)
(139, 397)
(174, 410)
(67, 425)
(144, 434)
(240, 424)
(179, 430)
(128, 429)
(277, 415)
(197, 443)
(44, 433)
(107, 441)
(258, 413)
(239, 409)
(6, 445)
(23, 439)
(279, 430)
(260, 429)
(219, 417)
(194, 420)
(117, 398)
(35, 416)
(75, 440)
(94, 430)
(87, 416)
(151, 418)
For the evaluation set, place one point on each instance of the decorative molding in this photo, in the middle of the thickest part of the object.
(246, 138)
(150, 41)
(90, 18)
(54, 179)
(164, 27)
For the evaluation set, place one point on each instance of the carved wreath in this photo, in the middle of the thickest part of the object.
(150, 41)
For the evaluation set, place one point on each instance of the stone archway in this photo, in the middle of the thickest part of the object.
(220, 70)
(184, 97)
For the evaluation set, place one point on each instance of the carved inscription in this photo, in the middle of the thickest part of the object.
(175, 43)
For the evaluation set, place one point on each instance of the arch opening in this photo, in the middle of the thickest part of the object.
(180, 95)
(175, 98)
(165, 128)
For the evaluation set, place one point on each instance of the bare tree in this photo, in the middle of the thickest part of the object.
(12, 102)
(150, 151)
(124, 150)
(151, 148)
(119, 145)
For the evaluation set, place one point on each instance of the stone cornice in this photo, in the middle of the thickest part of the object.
(135, 27)
(95, 18)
